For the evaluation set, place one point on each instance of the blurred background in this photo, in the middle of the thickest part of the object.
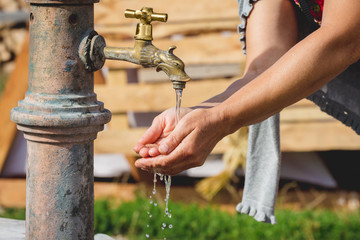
(320, 157)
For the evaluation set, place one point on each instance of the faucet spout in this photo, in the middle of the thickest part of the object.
(93, 50)
(144, 53)
(167, 61)
(122, 54)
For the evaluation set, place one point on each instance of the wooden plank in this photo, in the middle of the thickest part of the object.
(14, 91)
(302, 103)
(212, 48)
(169, 30)
(13, 192)
(118, 122)
(123, 141)
(195, 71)
(119, 77)
(317, 136)
(116, 78)
(109, 12)
(304, 113)
(295, 137)
(157, 97)
(15, 189)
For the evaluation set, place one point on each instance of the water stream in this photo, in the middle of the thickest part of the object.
(178, 105)
(166, 178)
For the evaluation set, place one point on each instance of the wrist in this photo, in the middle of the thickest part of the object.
(222, 120)
(230, 119)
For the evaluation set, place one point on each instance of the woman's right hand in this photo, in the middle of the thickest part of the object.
(161, 127)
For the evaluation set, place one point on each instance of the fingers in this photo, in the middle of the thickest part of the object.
(168, 144)
(182, 158)
(186, 146)
(160, 129)
(138, 147)
(149, 150)
(157, 164)
(152, 133)
(171, 164)
(150, 136)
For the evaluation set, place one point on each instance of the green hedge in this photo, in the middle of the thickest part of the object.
(193, 222)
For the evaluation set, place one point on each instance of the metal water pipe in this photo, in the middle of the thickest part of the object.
(60, 117)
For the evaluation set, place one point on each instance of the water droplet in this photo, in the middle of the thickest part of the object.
(170, 226)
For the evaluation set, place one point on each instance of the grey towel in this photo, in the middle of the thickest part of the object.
(263, 157)
(262, 171)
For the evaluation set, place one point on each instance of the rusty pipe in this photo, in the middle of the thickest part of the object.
(60, 117)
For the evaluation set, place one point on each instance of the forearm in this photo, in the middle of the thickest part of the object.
(234, 87)
(302, 70)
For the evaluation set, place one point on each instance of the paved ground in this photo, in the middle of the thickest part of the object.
(12, 229)
(15, 230)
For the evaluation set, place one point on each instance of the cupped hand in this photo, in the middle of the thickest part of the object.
(185, 146)
(161, 127)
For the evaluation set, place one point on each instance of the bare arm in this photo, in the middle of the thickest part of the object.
(289, 77)
(302, 70)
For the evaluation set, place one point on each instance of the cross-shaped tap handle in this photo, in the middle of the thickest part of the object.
(146, 15)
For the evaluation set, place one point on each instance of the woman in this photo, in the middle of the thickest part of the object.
(280, 70)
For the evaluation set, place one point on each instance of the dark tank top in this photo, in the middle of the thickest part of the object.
(313, 8)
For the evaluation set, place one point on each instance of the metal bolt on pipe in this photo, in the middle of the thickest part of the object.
(60, 117)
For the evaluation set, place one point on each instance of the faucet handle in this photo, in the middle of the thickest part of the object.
(146, 15)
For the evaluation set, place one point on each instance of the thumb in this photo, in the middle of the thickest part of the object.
(168, 144)
(152, 133)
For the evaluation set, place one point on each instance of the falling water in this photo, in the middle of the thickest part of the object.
(166, 178)
(178, 105)
(154, 189)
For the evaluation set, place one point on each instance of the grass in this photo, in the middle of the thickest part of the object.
(13, 213)
(190, 221)
(194, 222)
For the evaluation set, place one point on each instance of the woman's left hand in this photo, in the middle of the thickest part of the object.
(188, 144)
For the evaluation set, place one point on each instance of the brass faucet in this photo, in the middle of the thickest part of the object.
(94, 51)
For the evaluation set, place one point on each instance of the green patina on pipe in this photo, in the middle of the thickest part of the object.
(60, 117)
